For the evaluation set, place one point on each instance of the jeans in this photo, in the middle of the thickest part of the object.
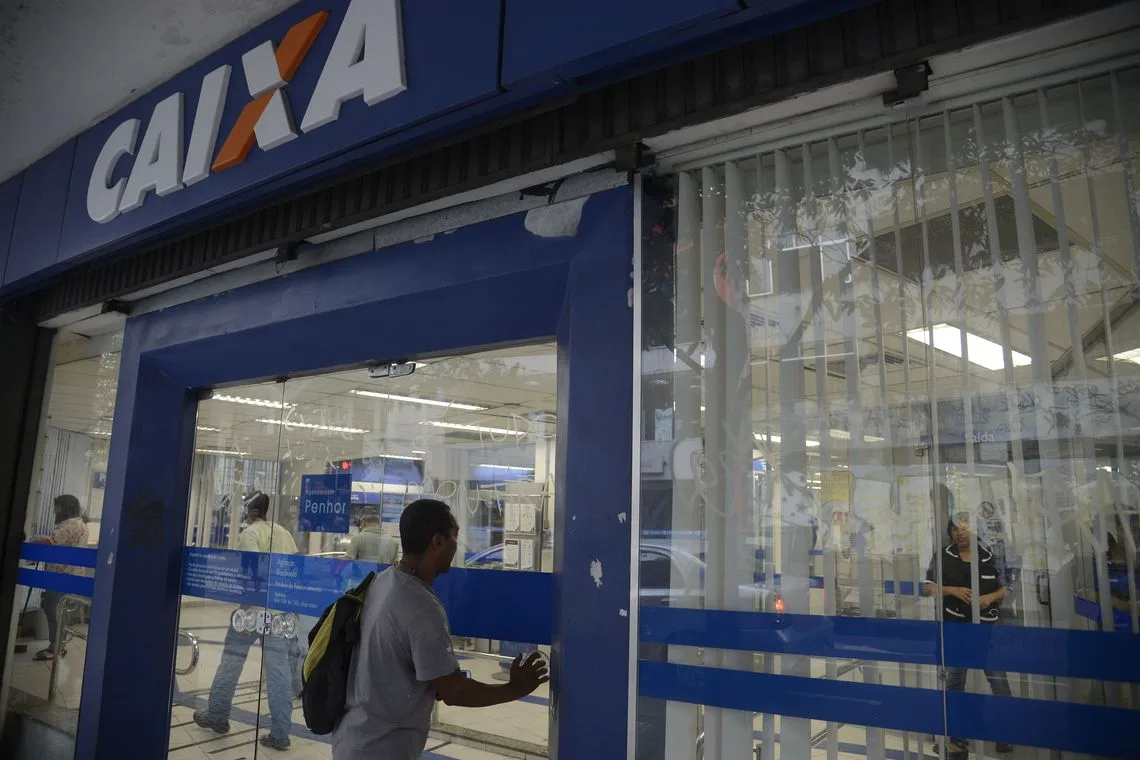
(278, 678)
(956, 681)
(49, 602)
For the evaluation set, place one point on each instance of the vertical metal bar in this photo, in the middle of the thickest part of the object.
(876, 747)
(1084, 472)
(712, 243)
(998, 269)
(961, 308)
(795, 733)
(810, 245)
(772, 242)
(681, 720)
(1132, 201)
(736, 558)
(884, 403)
(927, 289)
(894, 160)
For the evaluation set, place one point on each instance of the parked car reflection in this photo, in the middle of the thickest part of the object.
(658, 561)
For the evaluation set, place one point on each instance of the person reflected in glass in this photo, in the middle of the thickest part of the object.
(70, 530)
(250, 625)
(370, 544)
(955, 559)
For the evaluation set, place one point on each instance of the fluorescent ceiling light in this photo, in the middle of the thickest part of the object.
(846, 435)
(223, 452)
(472, 428)
(776, 439)
(1132, 355)
(417, 400)
(417, 451)
(400, 456)
(250, 401)
(983, 352)
(208, 429)
(100, 433)
(311, 426)
(512, 468)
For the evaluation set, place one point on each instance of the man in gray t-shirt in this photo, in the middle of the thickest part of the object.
(404, 661)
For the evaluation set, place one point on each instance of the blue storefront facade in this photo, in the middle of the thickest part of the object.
(797, 269)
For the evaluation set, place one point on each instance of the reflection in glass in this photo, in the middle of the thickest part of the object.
(65, 509)
(337, 457)
(855, 342)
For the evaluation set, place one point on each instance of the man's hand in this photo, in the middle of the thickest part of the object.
(958, 592)
(528, 675)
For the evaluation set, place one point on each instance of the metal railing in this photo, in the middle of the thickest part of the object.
(65, 631)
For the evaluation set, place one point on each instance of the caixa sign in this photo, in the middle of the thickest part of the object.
(365, 61)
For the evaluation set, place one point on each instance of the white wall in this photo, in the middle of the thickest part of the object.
(65, 64)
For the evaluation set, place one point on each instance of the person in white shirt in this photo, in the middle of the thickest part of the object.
(248, 626)
(371, 545)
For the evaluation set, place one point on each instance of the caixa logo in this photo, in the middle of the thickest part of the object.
(366, 61)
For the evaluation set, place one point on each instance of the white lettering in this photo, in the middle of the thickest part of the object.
(207, 119)
(367, 59)
(103, 197)
(275, 125)
(158, 166)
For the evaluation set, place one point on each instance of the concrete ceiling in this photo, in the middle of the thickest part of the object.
(66, 64)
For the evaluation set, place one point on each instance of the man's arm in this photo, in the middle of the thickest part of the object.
(458, 690)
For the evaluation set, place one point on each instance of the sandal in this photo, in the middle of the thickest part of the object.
(44, 655)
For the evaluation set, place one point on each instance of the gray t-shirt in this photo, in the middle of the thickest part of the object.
(405, 644)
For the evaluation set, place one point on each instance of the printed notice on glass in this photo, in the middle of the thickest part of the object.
(511, 518)
(511, 554)
(526, 554)
(528, 518)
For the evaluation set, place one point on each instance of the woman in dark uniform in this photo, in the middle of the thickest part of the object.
(955, 559)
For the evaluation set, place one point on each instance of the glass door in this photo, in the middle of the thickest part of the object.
(476, 431)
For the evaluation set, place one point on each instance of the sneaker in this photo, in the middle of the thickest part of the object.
(217, 725)
(280, 743)
(1003, 749)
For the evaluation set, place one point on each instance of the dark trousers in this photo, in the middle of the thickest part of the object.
(956, 681)
(49, 601)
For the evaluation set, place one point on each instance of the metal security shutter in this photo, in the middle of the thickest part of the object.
(879, 37)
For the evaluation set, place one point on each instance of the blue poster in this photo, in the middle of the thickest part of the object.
(326, 503)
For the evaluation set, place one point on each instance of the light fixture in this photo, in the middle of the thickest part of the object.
(472, 428)
(776, 439)
(983, 352)
(399, 456)
(511, 468)
(250, 401)
(417, 451)
(208, 429)
(845, 435)
(418, 400)
(312, 426)
(1132, 355)
(100, 433)
(224, 452)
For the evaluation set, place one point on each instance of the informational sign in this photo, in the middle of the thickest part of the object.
(326, 503)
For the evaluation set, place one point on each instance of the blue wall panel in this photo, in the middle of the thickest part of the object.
(482, 285)
(39, 214)
(451, 59)
(555, 41)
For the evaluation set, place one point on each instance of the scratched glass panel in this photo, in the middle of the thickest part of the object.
(476, 431)
(236, 656)
(888, 402)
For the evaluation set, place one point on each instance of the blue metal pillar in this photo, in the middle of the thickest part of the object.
(589, 716)
(134, 616)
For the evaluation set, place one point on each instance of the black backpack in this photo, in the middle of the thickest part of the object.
(324, 678)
